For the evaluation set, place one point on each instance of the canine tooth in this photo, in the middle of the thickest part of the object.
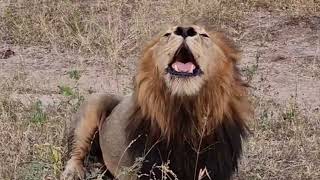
(192, 67)
(175, 67)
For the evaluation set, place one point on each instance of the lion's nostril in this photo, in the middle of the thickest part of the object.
(191, 32)
(179, 31)
(185, 31)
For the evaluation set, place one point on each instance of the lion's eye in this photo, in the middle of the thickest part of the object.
(204, 35)
(167, 34)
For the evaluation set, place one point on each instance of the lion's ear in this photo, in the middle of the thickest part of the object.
(227, 46)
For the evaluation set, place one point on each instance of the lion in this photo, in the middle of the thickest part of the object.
(186, 118)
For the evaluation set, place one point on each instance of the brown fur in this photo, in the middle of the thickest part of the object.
(222, 97)
(223, 93)
(82, 130)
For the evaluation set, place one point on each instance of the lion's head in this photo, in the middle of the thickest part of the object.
(187, 57)
(190, 72)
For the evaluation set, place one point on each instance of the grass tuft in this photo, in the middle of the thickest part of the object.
(66, 91)
(74, 74)
(39, 116)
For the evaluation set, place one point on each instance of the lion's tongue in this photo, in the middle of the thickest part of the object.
(183, 67)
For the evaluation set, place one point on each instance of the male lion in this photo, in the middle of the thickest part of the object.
(185, 118)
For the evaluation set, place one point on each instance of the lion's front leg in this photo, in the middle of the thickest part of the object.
(82, 131)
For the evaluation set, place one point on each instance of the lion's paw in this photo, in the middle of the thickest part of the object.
(73, 171)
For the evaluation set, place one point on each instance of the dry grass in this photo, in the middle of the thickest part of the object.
(285, 143)
(105, 27)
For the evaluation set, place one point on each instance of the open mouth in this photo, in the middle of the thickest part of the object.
(183, 63)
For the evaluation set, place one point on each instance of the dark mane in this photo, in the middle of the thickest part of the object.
(194, 132)
(218, 152)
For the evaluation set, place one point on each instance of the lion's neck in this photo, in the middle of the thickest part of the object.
(178, 117)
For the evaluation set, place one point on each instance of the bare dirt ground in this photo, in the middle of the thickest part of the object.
(284, 70)
(42, 86)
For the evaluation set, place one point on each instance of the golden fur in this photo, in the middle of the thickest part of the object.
(222, 91)
(218, 95)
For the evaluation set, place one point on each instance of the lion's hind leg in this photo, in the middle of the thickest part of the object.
(83, 129)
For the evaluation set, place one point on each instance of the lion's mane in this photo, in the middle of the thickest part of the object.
(213, 118)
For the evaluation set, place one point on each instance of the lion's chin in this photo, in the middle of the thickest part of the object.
(188, 86)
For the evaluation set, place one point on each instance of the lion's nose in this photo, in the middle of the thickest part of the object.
(185, 31)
